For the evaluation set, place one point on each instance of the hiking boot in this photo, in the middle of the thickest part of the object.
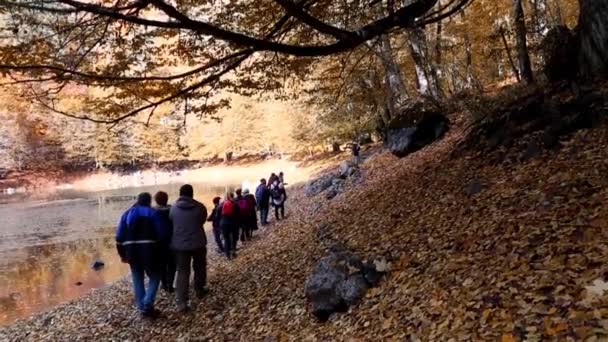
(202, 293)
(150, 313)
(169, 289)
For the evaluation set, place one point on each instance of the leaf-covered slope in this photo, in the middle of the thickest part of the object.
(507, 263)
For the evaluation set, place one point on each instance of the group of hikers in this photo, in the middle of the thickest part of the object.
(163, 241)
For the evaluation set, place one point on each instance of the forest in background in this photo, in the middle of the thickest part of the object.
(303, 105)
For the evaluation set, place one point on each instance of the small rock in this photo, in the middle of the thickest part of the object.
(78, 283)
(473, 188)
(331, 193)
(372, 276)
(532, 151)
(347, 169)
(97, 265)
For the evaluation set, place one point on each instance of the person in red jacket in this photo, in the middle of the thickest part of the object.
(249, 217)
(229, 224)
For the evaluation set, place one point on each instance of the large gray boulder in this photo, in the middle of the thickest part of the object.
(347, 169)
(318, 185)
(417, 126)
(403, 141)
(322, 287)
(339, 280)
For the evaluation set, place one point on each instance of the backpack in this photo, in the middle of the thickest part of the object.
(228, 208)
(243, 204)
(275, 192)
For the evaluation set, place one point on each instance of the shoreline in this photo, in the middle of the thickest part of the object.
(100, 180)
(109, 308)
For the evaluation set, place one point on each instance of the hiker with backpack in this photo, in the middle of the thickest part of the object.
(215, 218)
(278, 196)
(229, 224)
(262, 198)
(273, 178)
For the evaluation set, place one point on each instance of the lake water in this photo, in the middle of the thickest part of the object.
(47, 245)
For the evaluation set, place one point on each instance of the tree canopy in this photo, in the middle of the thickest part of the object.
(140, 54)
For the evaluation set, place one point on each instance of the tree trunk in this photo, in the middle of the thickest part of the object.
(523, 57)
(557, 15)
(468, 57)
(426, 72)
(541, 21)
(593, 30)
(395, 87)
(509, 56)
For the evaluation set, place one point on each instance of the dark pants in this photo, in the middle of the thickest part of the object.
(217, 234)
(264, 215)
(197, 260)
(168, 268)
(247, 226)
(231, 237)
(281, 208)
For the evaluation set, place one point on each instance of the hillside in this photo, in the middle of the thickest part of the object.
(483, 246)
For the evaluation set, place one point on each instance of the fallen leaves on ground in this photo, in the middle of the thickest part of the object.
(513, 262)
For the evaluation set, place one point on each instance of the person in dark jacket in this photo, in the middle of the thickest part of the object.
(242, 217)
(251, 219)
(262, 197)
(229, 224)
(168, 266)
(138, 240)
(189, 244)
(214, 218)
(279, 196)
(273, 178)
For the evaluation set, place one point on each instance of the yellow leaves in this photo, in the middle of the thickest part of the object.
(486, 314)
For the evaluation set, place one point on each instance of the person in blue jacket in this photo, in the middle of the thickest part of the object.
(138, 240)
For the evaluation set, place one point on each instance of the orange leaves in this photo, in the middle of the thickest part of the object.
(507, 338)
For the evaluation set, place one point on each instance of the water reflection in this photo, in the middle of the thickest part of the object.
(47, 245)
(38, 277)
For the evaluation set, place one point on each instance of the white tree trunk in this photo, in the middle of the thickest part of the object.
(426, 72)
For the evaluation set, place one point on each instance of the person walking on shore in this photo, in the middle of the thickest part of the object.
(138, 243)
(242, 218)
(251, 218)
(279, 196)
(273, 178)
(168, 267)
(189, 243)
(229, 224)
(262, 197)
(215, 218)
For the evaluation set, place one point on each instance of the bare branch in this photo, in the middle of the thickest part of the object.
(125, 79)
(294, 10)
